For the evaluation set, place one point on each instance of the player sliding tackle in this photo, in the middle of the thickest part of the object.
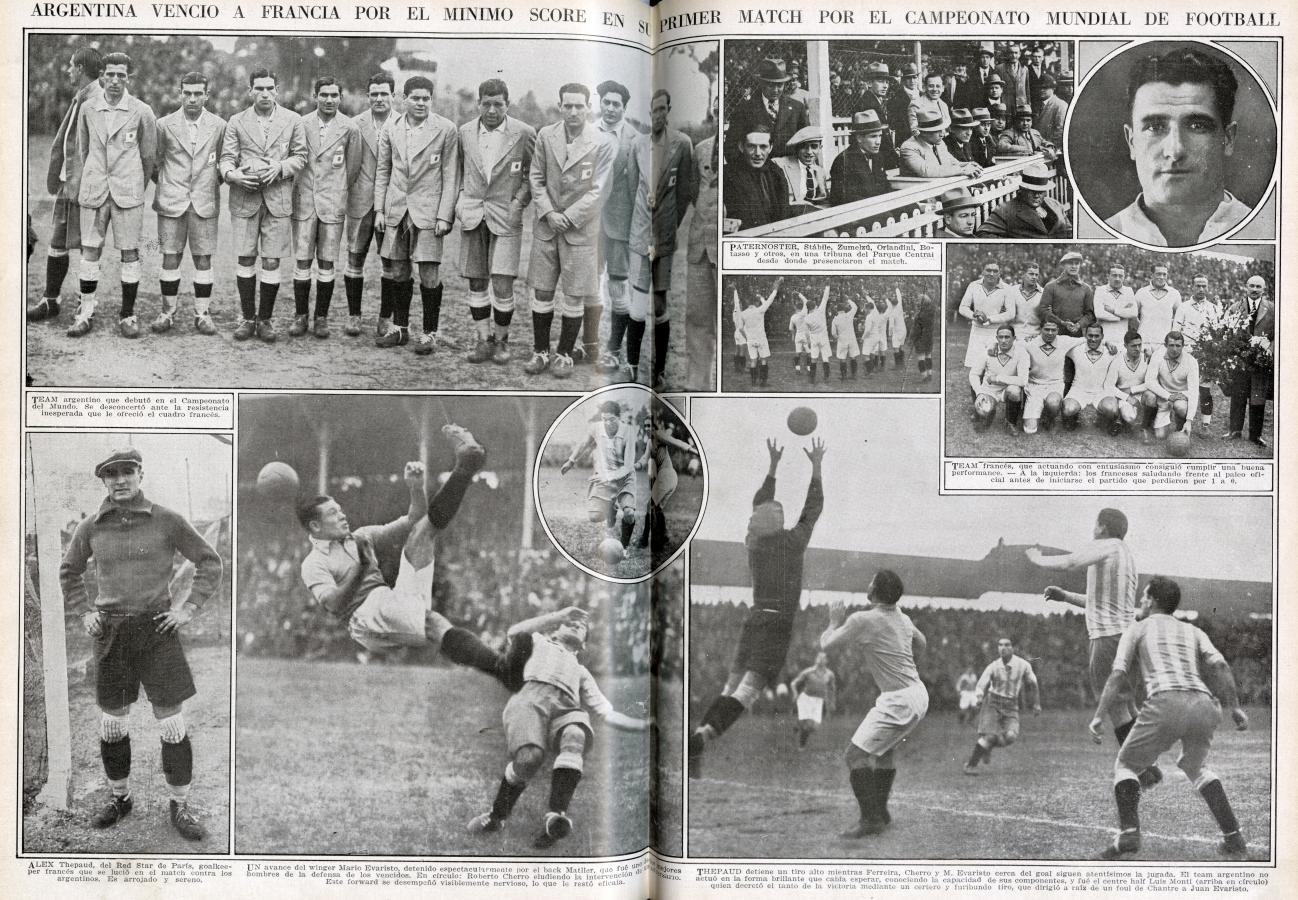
(342, 569)
(549, 711)
(775, 557)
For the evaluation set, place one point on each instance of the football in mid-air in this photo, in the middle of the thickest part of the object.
(1178, 444)
(611, 551)
(802, 421)
(278, 481)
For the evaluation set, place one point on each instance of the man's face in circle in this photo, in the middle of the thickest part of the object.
(1179, 144)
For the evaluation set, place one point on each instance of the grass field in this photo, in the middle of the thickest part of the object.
(1087, 441)
(784, 380)
(147, 829)
(1049, 797)
(667, 798)
(561, 500)
(185, 358)
(338, 758)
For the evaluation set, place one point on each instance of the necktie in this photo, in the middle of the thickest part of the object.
(811, 184)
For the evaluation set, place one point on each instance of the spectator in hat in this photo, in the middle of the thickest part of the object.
(1023, 139)
(982, 146)
(807, 187)
(959, 214)
(858, 172)
(958, 137)
(928, 103)
(899, 103)
(995, 90)
(793, 87)
(1031, 212)
(973, 92)
(925, 156)
(755, 191)
(1000, 115)
(1050, 121)
(876, 99)
(767, 108)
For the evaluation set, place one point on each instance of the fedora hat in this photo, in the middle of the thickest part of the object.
(772, 70)
(866, 122)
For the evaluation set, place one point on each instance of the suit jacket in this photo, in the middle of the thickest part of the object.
(1013, 142)
(360, 199)
(756, 196)
(790, 116)
(854, 175)
(962, 152)
(923, 160)
(284, 146)
(973, 93)
(1015, 219)
(622, 186)
(1257, 386)
(1016, 86)
(421, 179)
(1051, 120)
(887, 148)
(1033, 80)
(899, 115)
(333, 162)
(189, 176)
(497, 197)
(705, 197)
(796, 176)
(1264, 323)
(63, 149)
(117, 151)
(663, 171)
(572, 179)
(982, 150)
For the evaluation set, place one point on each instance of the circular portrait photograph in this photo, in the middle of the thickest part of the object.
(620, 483)
(1173, 143)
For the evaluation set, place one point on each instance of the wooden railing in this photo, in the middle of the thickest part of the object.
(911, 210)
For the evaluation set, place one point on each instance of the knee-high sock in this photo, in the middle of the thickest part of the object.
(463, 647)
(863, 787)
(446, 502)
(1127, 795)
(1215, 796)
(563, 782)
(723, 713)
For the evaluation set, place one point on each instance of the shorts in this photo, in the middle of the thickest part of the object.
(535, 716)
(894, 716)
(999, 718)
(968, 699)
(995, 391)
(261, 234)
(819, 347)
(394, 616)
(616, 256)
(484, 253)
(1085, 398)
(600, 493)
(764, 643)
(741, 340)
(359, 233)
(759, 348)
(126, 224)
(800, 343)
(1190, 717)
(131, 652)
(1103, 651)
(190, 229)
(664, 484)
(407, 241)
(313, 239)
(1163, 417)
(848, 349)
(653, 275)
(811, 709)
(65, 225)
(1036, 395)
(874, 344)
(557, 263)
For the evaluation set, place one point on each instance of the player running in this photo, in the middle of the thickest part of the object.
(611, 487)
(775, 556)
(997, 694)
(1186, 678)
(814, 690)
(890, 642)
(550, 712)
(966, 688)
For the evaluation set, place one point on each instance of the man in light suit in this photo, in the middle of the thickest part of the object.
(1249, 387)
(924, 155)
(806, 177)
(614, 251)
(415, 185)
(495, 159)
(701, 284)
(188, 199)
(662, 162)
(117, 140)
(264, 150)
(333, 160)
(63, 181)
(359, 226)
(570, 176)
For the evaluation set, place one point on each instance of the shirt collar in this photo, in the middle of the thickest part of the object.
(324, 546)
(122, 104)
(140, 504)
(499, 129)
(1135, 223)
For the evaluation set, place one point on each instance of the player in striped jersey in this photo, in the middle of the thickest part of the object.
(1110, 604)
(1156, 303)
(1093, 380)
(1192, 318)
(754, 319)
(611, 486)
(814, 689)
(1129, 383)
(801, 340)
(1171, 398)
(1000, 378)
(1185, 678)
(997, 694)
(843, 329)
(818, 334)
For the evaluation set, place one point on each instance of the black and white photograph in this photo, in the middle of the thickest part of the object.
(813, 334)
(126, 586)
(840, 608)
(414, 653)
(522, 213)
(1108, 350)
(897, 139)
(1174, 143)
(620, 483)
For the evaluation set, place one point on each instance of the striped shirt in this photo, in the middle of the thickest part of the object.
(550, 662)
(613, 454)
(1001, 681)
(1111, 579)
(1170, 654)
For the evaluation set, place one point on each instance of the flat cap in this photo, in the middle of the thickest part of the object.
(124, 455)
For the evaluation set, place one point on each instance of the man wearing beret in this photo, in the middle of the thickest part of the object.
(768, 108)
(858, 172)
(1031, 212)
(136, 624)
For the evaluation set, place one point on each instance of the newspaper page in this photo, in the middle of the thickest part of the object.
(751, 449)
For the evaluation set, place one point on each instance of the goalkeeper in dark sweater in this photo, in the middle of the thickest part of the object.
(775, 560)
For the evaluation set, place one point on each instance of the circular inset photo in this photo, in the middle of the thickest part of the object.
(1173, 143)
(620, 483)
